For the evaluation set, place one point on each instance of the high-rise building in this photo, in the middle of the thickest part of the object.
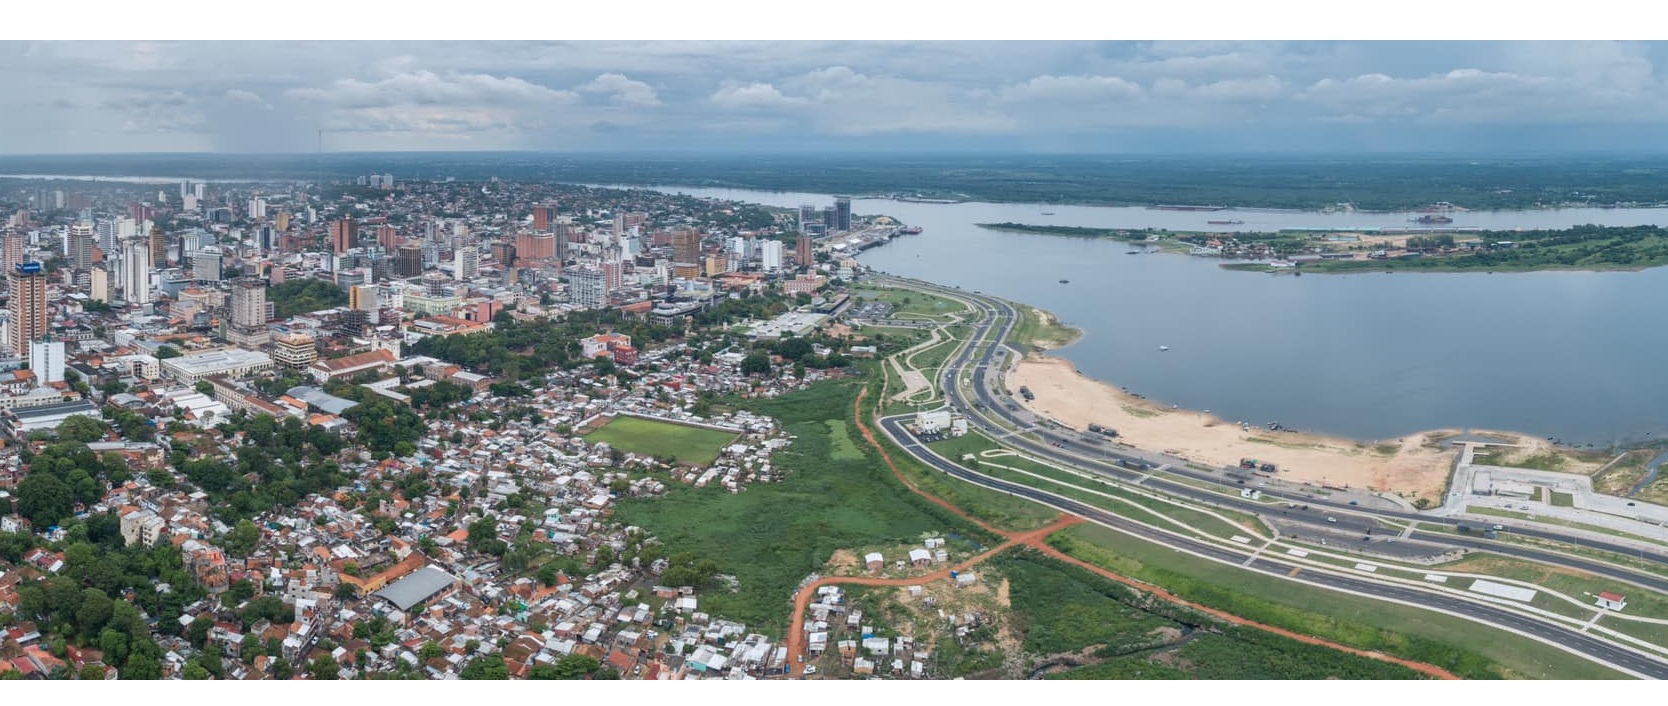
(136, 271)
(159, 247)
(387, 237)
(544, 217)
(248, 314)
(206, 264)
(282, 222)
(27, 304)
(587, 287)
(466, 263)
(12, 243)
(686, 246)
(408, 260)
(294, 350)
(805, 250)
(342, 235)
(842, 213)
(257, 208)
(534, 247)
(830, 220)
(98, 284)
(81, 242)
(362, 297)
(807, 215)
(770, 255)
(46, 358)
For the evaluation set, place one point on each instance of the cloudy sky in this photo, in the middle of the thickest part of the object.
(1038, 96)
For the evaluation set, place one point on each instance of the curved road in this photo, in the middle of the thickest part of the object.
(1549, 632)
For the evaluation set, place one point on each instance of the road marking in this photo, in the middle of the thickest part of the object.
(1433, 578)
(1295, 570)
(1241, 540)
(1366, 567)
(1297, 553)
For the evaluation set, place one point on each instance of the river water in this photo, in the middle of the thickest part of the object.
(1572, 355)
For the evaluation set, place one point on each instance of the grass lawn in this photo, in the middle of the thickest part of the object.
(692, 445)
(1562, 499)
(1469, 649)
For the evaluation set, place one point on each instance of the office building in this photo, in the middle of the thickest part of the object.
(206, 264)
(544, 217)
(805, 250)
(79, 246)
(248, 327)
(387, 237)
(807, 216)
(27, 304)
(158, 246)
(408, 260)
(295, 351)
(98, 284)
(466, 263)
(342, 235)
(587, 287)
(770, 255)
(686, 247)
(842, 213)
(257, 208)
(535, 247)
(46, 358)
(830, 220)
(12, 243)
(135, 279)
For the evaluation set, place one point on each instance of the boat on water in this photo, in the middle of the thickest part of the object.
(1175, 207)
(1048, 213)
(1065, 281)
(1433, 220)
(1133, 252)
(910, 230)
(1164, 348)
(1235, 222)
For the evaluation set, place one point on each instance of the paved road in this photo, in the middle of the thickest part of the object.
(1071, 451)
(1100, 458)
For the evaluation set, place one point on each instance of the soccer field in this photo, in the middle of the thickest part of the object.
(691, 445)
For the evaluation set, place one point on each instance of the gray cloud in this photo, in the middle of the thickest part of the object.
(276, 96)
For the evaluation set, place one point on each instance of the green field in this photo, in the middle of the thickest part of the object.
(837, 494)
(1471, 650)
(687, 444)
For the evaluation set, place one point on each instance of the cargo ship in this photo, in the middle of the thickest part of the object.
(1433, 220)
(1226, 223)
(910, 230)
(1187, 208)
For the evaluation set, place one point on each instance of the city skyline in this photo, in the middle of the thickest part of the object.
(1011, 96)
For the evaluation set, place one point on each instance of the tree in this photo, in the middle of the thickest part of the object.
(165, 352)
(204, 387)
(576, 666)
(242, 539)
(44, 499)
(756, 363)
(141, 666)
(194, 672)
(490, 667)
(429, 650)
(323, 668)
(199, 630)
(91, 672)
(94, 612)
(81, 428)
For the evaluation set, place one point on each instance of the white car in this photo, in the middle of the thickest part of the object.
(811, 669)
(1333, 520)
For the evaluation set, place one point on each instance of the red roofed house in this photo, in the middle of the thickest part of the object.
(1611, 601)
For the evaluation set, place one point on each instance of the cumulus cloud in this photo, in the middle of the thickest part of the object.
(622, 90)
(1075, 89)
(429, 88)
(752, 95)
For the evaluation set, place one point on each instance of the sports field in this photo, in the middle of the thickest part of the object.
(687, 444)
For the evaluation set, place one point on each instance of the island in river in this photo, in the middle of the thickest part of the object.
(1587, 247)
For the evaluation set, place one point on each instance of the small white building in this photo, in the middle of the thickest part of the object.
(1611, 601)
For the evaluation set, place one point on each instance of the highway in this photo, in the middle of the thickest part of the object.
(1073, 452)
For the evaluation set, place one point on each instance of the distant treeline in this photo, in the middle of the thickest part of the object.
(1380, 183)
(1068, 231)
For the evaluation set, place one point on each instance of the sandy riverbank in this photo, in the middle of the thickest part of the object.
(1415, 465)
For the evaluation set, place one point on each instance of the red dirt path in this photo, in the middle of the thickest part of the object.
(1034, 539)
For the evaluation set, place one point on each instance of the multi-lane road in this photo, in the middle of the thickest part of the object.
(985, 347)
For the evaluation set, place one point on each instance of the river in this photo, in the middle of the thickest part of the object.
(1572, 355)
